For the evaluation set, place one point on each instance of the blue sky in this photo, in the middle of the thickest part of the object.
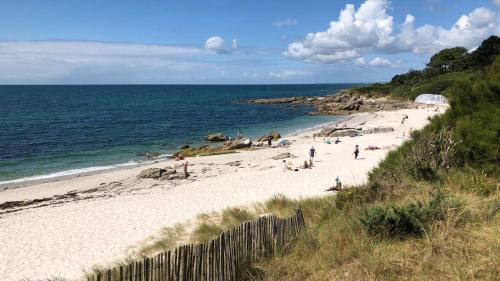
(206, 42)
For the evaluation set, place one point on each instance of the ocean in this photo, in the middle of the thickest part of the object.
(50, 131)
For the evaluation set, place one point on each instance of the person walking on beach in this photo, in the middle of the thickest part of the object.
(356, 152)
(312, 153)
(186, 174)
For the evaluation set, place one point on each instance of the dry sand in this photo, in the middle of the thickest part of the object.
(95, 219)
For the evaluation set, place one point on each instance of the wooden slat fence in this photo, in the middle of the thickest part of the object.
(220, 259)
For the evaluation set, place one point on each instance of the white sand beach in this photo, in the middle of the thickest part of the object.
(95, 219)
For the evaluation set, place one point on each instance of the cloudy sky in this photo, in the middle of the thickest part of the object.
(231, 42)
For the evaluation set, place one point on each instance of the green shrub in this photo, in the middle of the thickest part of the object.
(393, 221)
(348, 198)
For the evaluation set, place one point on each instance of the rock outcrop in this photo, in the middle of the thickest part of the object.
(273, 135)
(216, 137)
(157, 173)
(236, 144)
(345, 102)
(151, 173)
(339, 132)
(378, 130)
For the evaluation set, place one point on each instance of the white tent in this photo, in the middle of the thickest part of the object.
(431, 99)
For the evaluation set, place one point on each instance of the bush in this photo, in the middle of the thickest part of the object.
(398, 222)
(348, 198)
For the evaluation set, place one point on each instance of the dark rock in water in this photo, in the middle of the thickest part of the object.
(216, 137)
(274, 135)
(378, 130)
(152, 173)
(282, 156)
(152, 154)
(185, 146)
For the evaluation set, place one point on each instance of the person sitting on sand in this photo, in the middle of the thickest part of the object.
(178, 157)
(337, 141)
(306, 165)
(356, 152)
(286, 167)
(186, 174)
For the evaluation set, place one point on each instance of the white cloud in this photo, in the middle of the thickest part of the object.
(376, 62)
(497, 2)
(370, 29)
(97, 62)
(234, 44)
(214, 43)
(380, 62)
(289, 73)
(285, 23)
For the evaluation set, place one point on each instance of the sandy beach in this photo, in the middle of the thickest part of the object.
(76, 223)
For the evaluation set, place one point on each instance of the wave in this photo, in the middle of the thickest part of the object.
(72, 172)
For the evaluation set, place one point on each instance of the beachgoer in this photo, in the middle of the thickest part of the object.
(337, 140)
(338, 183)
(239, 135)
(306, 166)
(356, 152)
(312, 153)
(186, 174)
(285, 166)
(269, 141)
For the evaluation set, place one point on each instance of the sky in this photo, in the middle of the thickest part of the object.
(231, 42)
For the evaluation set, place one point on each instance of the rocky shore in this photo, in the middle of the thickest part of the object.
(346, 102)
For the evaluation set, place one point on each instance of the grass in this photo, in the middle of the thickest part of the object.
(431, 209)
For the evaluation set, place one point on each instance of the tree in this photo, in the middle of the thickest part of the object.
(485, 54)
(451, 59)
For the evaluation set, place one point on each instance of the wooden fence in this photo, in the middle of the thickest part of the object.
(220, 259)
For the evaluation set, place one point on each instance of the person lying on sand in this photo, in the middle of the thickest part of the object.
(372, 147)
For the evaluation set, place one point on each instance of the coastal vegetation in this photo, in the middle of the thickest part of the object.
(431, 209)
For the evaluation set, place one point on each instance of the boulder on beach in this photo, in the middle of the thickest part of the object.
(274, 135)
(151, 173)
(338, 132)
(237, 144)
(175, 176)
(282, 156)
(215, 137)
(378, 130)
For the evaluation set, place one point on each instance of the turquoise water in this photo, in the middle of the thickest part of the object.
(57, 130)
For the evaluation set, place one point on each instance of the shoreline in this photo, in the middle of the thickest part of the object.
(97, 219)
(54, 177)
